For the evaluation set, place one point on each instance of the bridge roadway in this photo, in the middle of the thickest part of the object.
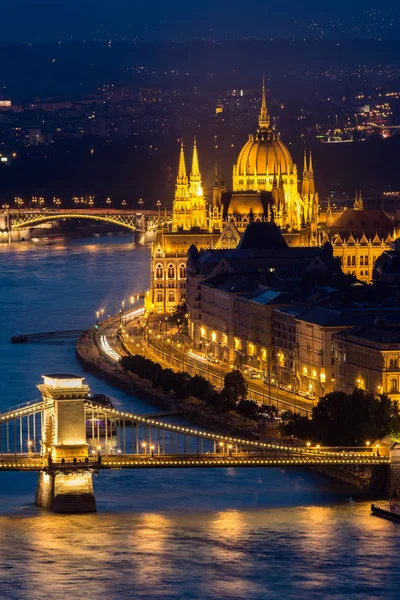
(154, 443)
(35, 462)
(131, 219)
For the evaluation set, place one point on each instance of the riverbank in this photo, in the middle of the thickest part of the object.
(93, 361)
(369, 483)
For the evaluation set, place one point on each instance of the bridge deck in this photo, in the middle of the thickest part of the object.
(140, 461)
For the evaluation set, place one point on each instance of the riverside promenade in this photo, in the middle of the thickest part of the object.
(91, 354)
(93, 359)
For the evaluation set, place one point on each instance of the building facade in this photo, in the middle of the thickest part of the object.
(359, 236)
(369, 358)
(194, 222)
(265, 183)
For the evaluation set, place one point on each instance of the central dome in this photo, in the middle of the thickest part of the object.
(264, 154)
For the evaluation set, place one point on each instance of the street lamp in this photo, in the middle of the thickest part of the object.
(141, 203)
(97, 316)
(108, 202)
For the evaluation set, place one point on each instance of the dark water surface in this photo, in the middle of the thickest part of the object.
(170, 534)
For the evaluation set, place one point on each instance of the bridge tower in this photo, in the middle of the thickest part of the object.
(66, 484)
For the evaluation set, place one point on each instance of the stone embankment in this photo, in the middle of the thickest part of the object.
(370, 482)
(95, 362)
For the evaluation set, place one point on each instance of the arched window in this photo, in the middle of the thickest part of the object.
(366, 261)
(171, 272)
(353, 261)
(361, 261)
(159, 272)
(394, 364)
(171, 297)
(349, 261)
(393, 385)
(182, 271)
(159, 297)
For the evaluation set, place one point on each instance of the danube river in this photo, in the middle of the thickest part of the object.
(224, 534)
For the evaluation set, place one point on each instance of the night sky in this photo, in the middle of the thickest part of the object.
(55, 20)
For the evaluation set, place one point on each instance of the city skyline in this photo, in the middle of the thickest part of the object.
(58, 20)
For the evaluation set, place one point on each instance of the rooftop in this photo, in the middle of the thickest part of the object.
(369, 221)
(380, 334)
(262, 235)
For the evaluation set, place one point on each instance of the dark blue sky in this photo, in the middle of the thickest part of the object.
(49, 20)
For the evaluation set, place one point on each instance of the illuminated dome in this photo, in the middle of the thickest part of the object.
(265, 183)
(264, 154)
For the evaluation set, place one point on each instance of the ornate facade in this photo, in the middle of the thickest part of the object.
(359, 236)
(194, 222)
(265, 182)
(265, 188)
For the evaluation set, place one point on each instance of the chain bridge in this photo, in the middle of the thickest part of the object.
(67, 437)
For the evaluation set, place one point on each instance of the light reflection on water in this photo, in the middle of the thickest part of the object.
(227, 534)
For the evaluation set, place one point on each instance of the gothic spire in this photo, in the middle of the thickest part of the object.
(195, 162)
(305, 171)
(358, 202)
(263, 119)
(182, 176)
(310, 168)
(216, 181)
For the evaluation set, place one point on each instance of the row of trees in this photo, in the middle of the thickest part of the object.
(341, 419)
(232, 397)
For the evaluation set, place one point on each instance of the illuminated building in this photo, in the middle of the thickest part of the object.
(358, 237)
(231, 294)
(265, 182)
(194, 222)
(304, 339)
(369, 358)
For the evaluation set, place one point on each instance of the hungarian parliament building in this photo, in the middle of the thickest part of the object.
(266, 187)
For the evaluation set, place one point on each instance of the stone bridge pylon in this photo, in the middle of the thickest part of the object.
(64, 442)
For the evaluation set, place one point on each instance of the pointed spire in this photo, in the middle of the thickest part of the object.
(216, 181)
(195, 161)
(182, 176)
(358, 202)
(263, 119)
(305, 171)
(310, 168)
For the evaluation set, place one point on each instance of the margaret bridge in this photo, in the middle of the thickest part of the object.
(141, 222)
(66, 438)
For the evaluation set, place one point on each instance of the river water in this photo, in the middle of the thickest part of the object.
(196, 534)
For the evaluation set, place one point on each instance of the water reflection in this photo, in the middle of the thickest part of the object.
(224, 533)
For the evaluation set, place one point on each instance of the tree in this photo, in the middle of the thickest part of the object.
(235, 386)
(181, 382)
(248, 409)
(342, 419)
(199, 387)
(168, 380)
(293, 424)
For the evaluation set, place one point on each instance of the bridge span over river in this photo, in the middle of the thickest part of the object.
(67, 437)
(143, 223)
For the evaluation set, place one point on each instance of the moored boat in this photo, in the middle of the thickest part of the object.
(391, 512)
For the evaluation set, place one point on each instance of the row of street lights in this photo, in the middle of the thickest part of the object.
(39, 202)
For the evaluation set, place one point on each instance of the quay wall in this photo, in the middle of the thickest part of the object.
(373, 482)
